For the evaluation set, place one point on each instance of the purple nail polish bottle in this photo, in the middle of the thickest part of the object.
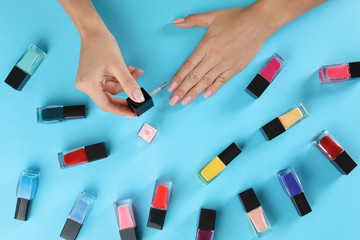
(206, 227)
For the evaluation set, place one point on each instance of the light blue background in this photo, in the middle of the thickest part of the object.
(189, 136)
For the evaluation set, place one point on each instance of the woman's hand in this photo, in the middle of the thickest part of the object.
(233, 39)
(103, 73)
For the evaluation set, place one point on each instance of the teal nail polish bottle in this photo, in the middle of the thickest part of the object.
(25, 67)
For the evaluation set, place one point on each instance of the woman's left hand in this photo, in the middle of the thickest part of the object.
(233, 39)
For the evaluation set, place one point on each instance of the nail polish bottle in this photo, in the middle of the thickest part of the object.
(206, 227)
(26, 191)
(339, 72)
(215, 166)
(147, 133)
(25, 67)
(266, 76)
(159, 204)
(140, 108)
(126, 220)
(255, 213)
(285, 121)
(336, 154)
(57, 113)
(82, 155)
(78, 215)
(292, 187)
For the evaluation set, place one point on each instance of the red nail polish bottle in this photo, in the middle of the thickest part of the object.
(82, 155)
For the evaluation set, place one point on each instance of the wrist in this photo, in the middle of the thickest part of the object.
(267, 15)
(87, 29)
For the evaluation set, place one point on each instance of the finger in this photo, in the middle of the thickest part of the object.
(190, 81)
(189, 65)
(195, 20)
(129, 84)
(206, 81)
(130, 68)
(111, 104)
(114, 87)
(218, 83)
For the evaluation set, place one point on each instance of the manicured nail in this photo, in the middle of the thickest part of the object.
(208, 93)
(172, 86)
(139, 97)
(111, 84)
(186, 100)
(131, 68)
(178, 20)
(174, 100)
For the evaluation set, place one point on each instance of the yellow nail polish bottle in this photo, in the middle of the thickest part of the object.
(215, 166)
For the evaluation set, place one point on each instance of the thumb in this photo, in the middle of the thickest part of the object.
(195, 20)
(130, 86)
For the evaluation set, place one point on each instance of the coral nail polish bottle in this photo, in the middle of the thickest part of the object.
(206, 226)
(25, 67)
(293, 188)
(333, 151)
(284, 122)
(78, 215)
(339, 72)
(25, 193)
(255, 213)
(266, 76)
(82, 155)
(126, 219)
(57, 113)
(215, 166)
(159, 204)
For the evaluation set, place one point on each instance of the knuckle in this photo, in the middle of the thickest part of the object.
(192, 18)
(194, 77)
(188, 64)
(207, 80)
(80, 84)
(222, 79)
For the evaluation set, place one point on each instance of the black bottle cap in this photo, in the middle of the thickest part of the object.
(257, 86)
(207, 219)
(71, 229)
(156, 218)
(249, 200)
(301, 204)
(22, 208)
(273, 129)
(128, 234)
(140, 108)
(229, 153)
(17, 78)
(96, 151)
(78, 111)
(344, 163)
(354, 69)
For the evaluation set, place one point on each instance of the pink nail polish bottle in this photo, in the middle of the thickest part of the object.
(339, 72)
(140, 108)
(255, 213)
(266, 76)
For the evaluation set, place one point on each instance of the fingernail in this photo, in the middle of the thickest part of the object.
(173, 100)
(186, 100)
(139, 97)
(178, 20)
(172, 86)
(131, 116)
(131, 68)
(208, 93)
(111, 84)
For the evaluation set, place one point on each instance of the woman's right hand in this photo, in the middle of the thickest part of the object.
(102, 73)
